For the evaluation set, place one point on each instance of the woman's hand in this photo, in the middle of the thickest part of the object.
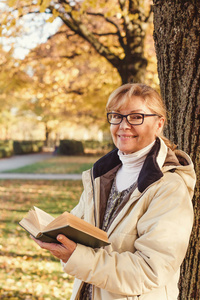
(62, 251)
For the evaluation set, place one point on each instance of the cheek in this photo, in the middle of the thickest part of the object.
(145, 133)
(113, 130)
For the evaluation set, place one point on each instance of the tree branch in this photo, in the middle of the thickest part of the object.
(83, 31)
(118, 33)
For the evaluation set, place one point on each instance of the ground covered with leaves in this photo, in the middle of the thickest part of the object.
(28, 272)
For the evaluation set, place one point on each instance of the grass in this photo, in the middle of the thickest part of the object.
(28, 272)
(58, 165)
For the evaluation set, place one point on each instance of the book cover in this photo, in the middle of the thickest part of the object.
(71, 226)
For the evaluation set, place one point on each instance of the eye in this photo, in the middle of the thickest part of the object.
(116, 116)
(135, 117)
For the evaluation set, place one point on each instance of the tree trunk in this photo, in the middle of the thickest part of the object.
(177, 43)
(47, 132)
(133, 68)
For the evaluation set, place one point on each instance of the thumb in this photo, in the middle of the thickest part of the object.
(69, 244)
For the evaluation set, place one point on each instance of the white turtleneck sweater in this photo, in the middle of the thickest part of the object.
(131, 167)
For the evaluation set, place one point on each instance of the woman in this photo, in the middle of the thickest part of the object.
(140, 193)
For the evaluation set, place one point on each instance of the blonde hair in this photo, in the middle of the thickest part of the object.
(122, 95)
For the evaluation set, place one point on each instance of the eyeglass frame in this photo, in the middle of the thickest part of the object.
(125, 116)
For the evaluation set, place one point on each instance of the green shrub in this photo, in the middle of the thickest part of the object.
(104, 146)
(70, 147)
(25, 147)
(6, 148)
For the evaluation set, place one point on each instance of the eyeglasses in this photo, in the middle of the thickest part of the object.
(132, 119)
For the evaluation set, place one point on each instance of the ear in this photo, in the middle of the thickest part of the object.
(160, 125)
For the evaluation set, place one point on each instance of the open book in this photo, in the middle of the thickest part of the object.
(46, 228)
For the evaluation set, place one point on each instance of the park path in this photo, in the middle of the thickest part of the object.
(18, 161)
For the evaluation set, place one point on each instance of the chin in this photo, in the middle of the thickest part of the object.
(127, 151)
(127, 148)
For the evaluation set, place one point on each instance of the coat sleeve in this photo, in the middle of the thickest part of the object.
(78, 210)
(163, 236)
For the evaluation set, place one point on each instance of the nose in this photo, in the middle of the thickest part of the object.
(124, 124)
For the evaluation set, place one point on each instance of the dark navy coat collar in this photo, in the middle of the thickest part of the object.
(150, 171)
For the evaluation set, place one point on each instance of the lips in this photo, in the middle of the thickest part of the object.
(127, 136)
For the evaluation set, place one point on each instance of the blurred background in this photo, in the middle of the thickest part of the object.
(60, 60)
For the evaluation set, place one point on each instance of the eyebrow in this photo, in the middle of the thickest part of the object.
(133, 111)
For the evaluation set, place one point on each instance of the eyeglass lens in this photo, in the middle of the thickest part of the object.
(133, 119)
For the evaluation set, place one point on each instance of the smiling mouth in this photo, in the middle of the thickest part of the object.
(127, 136)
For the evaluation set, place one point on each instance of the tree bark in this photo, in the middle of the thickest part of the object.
(177, 43)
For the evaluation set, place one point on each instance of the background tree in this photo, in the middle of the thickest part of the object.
(177, 42)
(73, 86)
(69, 79)
(115, 28)
(13, 84)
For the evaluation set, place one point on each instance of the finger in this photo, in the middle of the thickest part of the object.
(69, 244)
(61, 251)
(36, 240)
(43, 245)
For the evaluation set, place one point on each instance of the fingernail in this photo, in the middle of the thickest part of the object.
(59, 237)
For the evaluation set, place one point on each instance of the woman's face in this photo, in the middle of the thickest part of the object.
(129, 138)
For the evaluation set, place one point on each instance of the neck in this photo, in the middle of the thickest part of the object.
(131, 167)
(135, 157)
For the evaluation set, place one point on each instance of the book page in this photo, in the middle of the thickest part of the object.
(57, 222)
(43, 218)
(69, 219)
(29, 226)
(32, 217)
(84, 226)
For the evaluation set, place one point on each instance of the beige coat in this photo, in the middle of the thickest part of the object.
(150, 235)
